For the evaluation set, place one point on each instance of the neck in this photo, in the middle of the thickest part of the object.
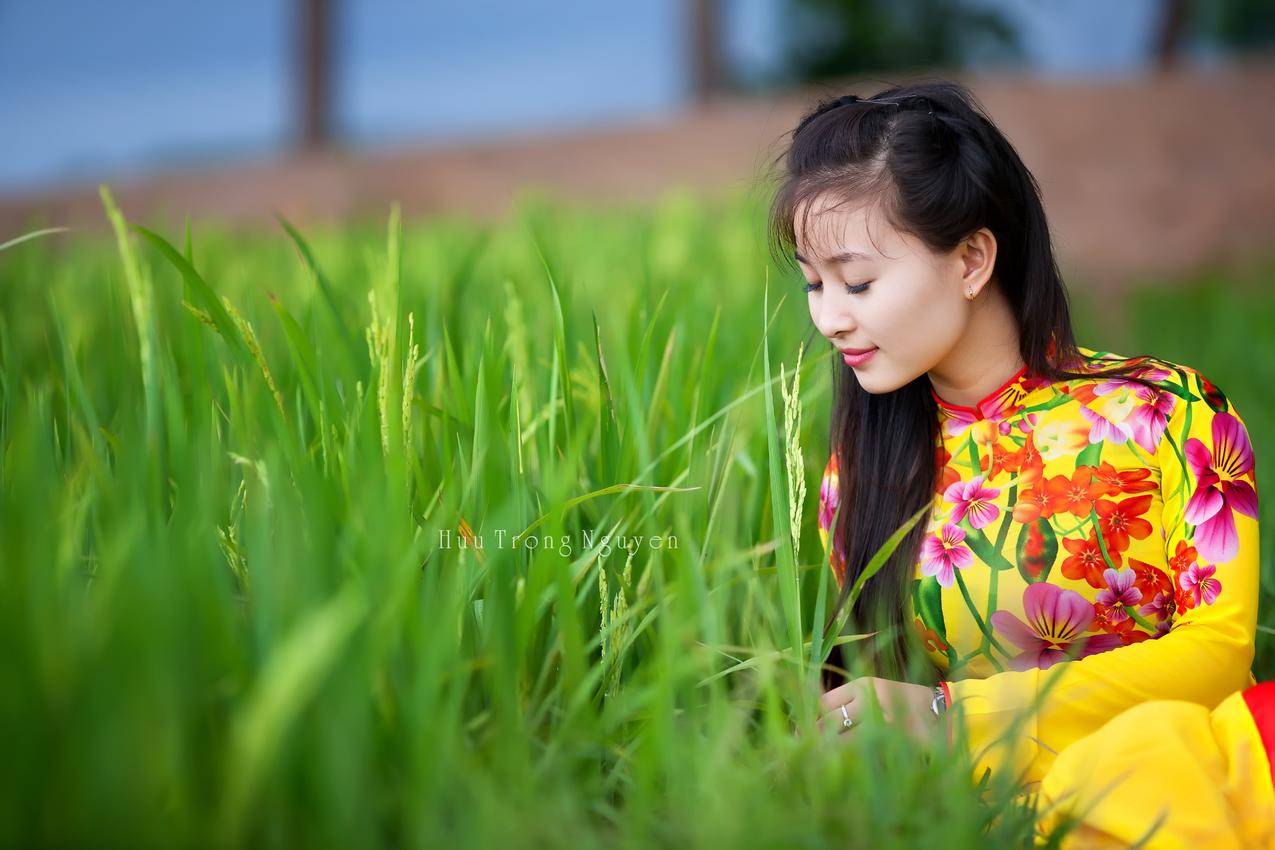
(984, 357)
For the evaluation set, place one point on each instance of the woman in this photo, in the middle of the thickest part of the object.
(1092, 543)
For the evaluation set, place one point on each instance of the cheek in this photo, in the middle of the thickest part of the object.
(915, 325)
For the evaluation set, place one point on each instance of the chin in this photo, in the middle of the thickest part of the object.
(877, 384)
(874, 385)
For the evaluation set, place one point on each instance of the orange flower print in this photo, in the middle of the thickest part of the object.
(1125, 629)
(1074, 495)
(1002, 459)
(1086, 561)
(947, 476)
(1030, 464)
(1093, 512)
(1151, 580)
(1121, 520)
(1113, 621)
(1183, 557)
(1123, 481)
(1030, 505)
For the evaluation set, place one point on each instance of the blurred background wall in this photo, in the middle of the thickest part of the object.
(89, 89)
(1153, 111)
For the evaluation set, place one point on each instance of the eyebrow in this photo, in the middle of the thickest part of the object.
(843, 257)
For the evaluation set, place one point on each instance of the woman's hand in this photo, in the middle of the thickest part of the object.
(902, 703)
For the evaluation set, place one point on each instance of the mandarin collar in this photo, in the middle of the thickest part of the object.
(997, 404)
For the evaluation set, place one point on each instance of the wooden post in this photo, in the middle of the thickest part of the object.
(705, 49)
(1174, 15)
(313, 71)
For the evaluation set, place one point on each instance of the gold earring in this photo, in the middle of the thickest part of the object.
(969, 294)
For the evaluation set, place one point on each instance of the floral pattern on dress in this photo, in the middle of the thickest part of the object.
(1073, 517)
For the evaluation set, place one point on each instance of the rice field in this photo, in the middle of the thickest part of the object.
(451, 534)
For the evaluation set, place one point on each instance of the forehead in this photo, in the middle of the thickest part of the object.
(826, 226)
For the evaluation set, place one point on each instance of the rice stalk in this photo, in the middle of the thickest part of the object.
(254, 349)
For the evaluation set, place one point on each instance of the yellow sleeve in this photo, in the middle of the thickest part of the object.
(1208, 488)
(1220, 795)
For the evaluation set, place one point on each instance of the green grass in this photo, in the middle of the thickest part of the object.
(225, 464)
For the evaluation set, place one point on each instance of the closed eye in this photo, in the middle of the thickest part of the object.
(853, 289)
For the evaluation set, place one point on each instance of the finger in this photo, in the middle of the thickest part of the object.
(839, 695)
(830, 719)
(836, 719)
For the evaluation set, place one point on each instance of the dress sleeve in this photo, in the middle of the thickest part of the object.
(1210, 537)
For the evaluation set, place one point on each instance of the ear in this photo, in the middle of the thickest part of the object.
(978, 260)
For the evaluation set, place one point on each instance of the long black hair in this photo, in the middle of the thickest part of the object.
(932, 162)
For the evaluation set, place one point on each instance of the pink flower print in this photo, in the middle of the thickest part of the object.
(957, 420)
(944, 553)
(1024, 423)
(1004, 405)
(1101, 428)
(971, 497)
(1153, 373)
(1220, 488)
(1199, 582)
(1157, 607)
(829, 496)
(1118, 593)
(1148, 421)
(1058, 621)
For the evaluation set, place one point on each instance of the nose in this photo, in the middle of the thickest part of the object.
(832, 318)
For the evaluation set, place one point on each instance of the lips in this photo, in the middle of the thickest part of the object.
(856, 357)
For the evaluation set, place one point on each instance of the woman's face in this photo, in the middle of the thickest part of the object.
(872, 287)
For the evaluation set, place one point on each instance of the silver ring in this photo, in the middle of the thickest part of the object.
(846, 721)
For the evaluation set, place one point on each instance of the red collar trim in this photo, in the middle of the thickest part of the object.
(989, 403)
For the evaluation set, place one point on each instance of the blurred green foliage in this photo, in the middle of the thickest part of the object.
(235, 471)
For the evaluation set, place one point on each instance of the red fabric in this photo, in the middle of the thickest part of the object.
(976, 407)
(947, 699)
(1260, 699)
